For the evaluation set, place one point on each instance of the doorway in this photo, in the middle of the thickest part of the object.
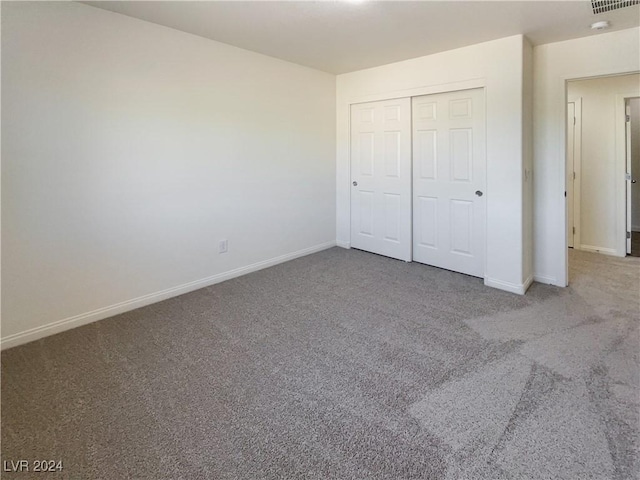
(632, 153)
(598, 188)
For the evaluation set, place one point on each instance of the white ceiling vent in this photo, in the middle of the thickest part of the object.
(602, 6)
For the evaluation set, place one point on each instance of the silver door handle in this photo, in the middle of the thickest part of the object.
(478, 193)
(355, 184)
(633, 181)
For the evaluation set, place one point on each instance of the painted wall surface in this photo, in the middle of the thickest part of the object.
(554, 64)
(598, 227)
(498, 67)
(635, 166)
(130, 150)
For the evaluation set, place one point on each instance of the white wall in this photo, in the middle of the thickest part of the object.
(130, 149)
(498, 67)
(635, 167)
(600, 166)
(554, 64)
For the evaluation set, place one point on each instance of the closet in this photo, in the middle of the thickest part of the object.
(418, 180)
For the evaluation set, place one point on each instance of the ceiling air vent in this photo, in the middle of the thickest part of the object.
(602, 6)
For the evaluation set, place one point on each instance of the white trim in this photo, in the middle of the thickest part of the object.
(577, 168)
(349, 171)
(420, 91)
(606, 251)
(105, 312)
(342, 244)
(547, 280)
(519, 289)
(620, 169)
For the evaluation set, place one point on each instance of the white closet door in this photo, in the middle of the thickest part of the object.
(381, 177)
(449, 194)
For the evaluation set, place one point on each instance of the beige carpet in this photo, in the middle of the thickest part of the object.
(342, 365)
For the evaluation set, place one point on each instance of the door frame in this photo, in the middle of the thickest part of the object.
(563, 279)
(623, 186)
(410, 93)
(577, 168)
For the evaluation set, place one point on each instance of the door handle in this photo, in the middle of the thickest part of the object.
(355, 184)
(478, 193)
(633, 181)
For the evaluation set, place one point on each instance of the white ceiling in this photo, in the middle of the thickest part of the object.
(343, 36)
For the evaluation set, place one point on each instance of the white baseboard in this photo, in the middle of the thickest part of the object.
(520, 289)
(545, 279)
(342, 244)
(605, 251)
(106, 312)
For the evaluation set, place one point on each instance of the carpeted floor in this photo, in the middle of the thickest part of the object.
(342, 365)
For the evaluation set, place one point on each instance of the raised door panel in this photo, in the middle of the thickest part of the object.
(461, 154)
(461, 226)
(364, 212)
(392, 153)
(427, 214)
(365, 153)
(426, 154)
(392, 216)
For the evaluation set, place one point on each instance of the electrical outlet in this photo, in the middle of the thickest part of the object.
(223, 246)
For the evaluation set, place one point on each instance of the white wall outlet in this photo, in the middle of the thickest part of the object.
(223, 246)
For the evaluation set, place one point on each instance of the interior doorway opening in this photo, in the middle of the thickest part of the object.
(602, 171)
(632, 154)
